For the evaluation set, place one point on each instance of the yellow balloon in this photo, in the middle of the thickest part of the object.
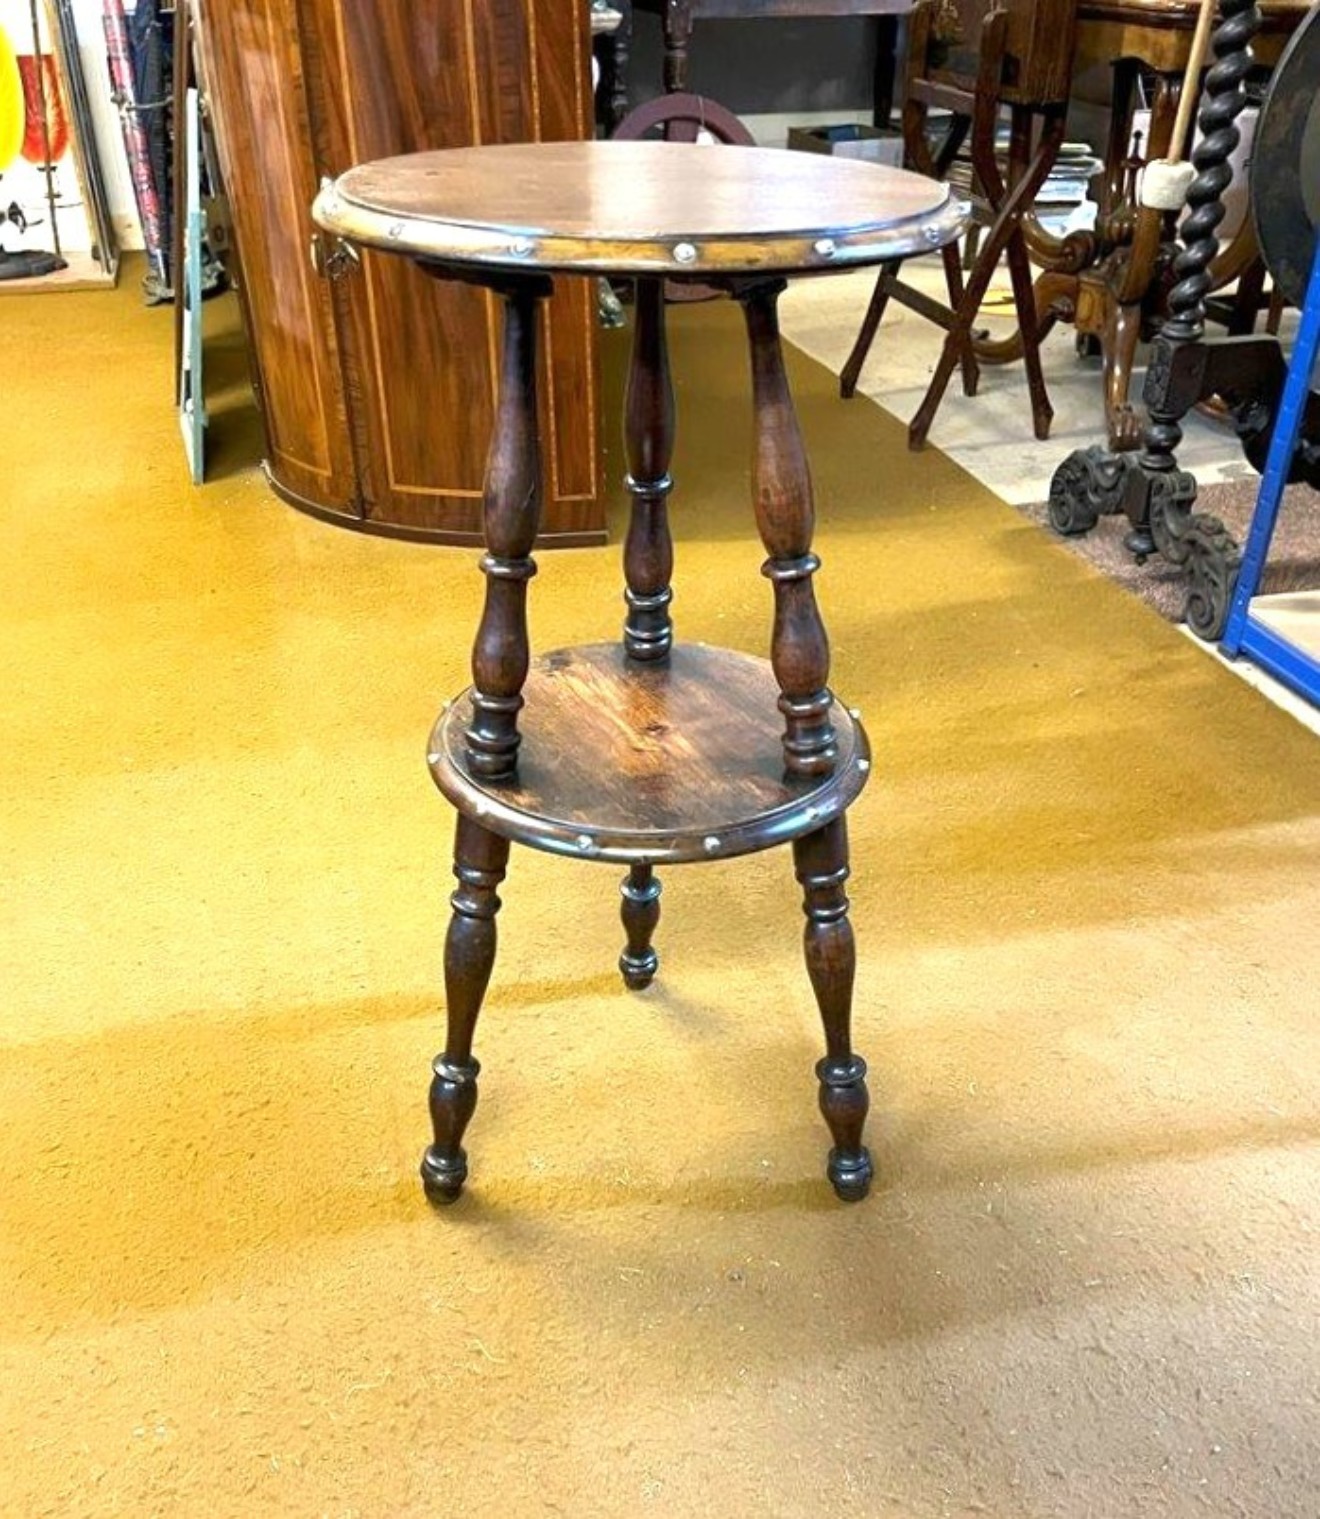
(11, 103)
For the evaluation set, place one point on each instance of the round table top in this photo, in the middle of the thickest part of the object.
(679, 209)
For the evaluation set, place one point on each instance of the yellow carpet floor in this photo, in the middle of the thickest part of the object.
(1085, 894)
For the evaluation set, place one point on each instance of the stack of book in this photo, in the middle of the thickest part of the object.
(1063, 200)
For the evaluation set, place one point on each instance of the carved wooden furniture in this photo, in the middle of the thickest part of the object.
(1247, 372)
(678, 17)
(970, 62)
(1113, 285)
(644, 753)
(355, 359)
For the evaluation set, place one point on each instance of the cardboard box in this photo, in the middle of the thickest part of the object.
(881, 145)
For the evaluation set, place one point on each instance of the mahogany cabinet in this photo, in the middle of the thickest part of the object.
(376, 382)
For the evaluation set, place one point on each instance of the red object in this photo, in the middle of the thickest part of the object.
(135, 138)
(45, 114)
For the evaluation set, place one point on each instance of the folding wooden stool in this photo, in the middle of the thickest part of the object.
(1016, 56)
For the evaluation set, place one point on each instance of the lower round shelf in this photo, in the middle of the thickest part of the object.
(635, 763)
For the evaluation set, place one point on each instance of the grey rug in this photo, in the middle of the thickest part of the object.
(1293, 563)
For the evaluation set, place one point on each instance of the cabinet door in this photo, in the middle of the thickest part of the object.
(250, 60)
(420, 354)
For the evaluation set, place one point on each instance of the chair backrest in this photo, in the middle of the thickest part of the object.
(680, 117)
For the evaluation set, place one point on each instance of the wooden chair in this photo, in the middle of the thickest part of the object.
(1016, 56)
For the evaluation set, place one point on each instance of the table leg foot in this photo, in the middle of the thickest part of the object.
(843, 1104)
(480, 858)
(453, 1100)
(640, 913)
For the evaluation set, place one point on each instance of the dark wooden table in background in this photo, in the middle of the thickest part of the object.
(677, 18)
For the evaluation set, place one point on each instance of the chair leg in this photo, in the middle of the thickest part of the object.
(958, 340)
(870, 323)
(1007, 225)
(821, 863)
(971, 370)
(480, 858)
(640, 913)
(1024, 298)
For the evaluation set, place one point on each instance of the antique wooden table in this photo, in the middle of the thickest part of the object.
(644, 753)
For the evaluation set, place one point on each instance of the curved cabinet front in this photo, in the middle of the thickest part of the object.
(376, 382)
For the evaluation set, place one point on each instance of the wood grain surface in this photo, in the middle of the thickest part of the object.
(749, 10)
(358, 360)
(1159, 32)
(654, 763)
(677, 208)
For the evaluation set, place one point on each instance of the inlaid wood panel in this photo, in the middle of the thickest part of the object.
(378, 384)
(420, 352)
(251, 65)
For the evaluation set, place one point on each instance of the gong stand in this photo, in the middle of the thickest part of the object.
(1247, 372)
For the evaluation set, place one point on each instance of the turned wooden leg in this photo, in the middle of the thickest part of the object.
(618, 79)
(785, 515)
(648, 556)
(678, 34)
(480, 858)
(512, 514)
(821, 862)
(852, 370)
(640, 912)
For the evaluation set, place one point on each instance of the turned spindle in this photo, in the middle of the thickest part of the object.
(785, 516)
(480, 859)
(511, 502)
(640, 912)
(648, 555)
(821, 863)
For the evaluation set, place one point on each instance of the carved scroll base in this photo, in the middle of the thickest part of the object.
(1092, 483)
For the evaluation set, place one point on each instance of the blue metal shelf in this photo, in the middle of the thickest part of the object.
(1245, 635)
